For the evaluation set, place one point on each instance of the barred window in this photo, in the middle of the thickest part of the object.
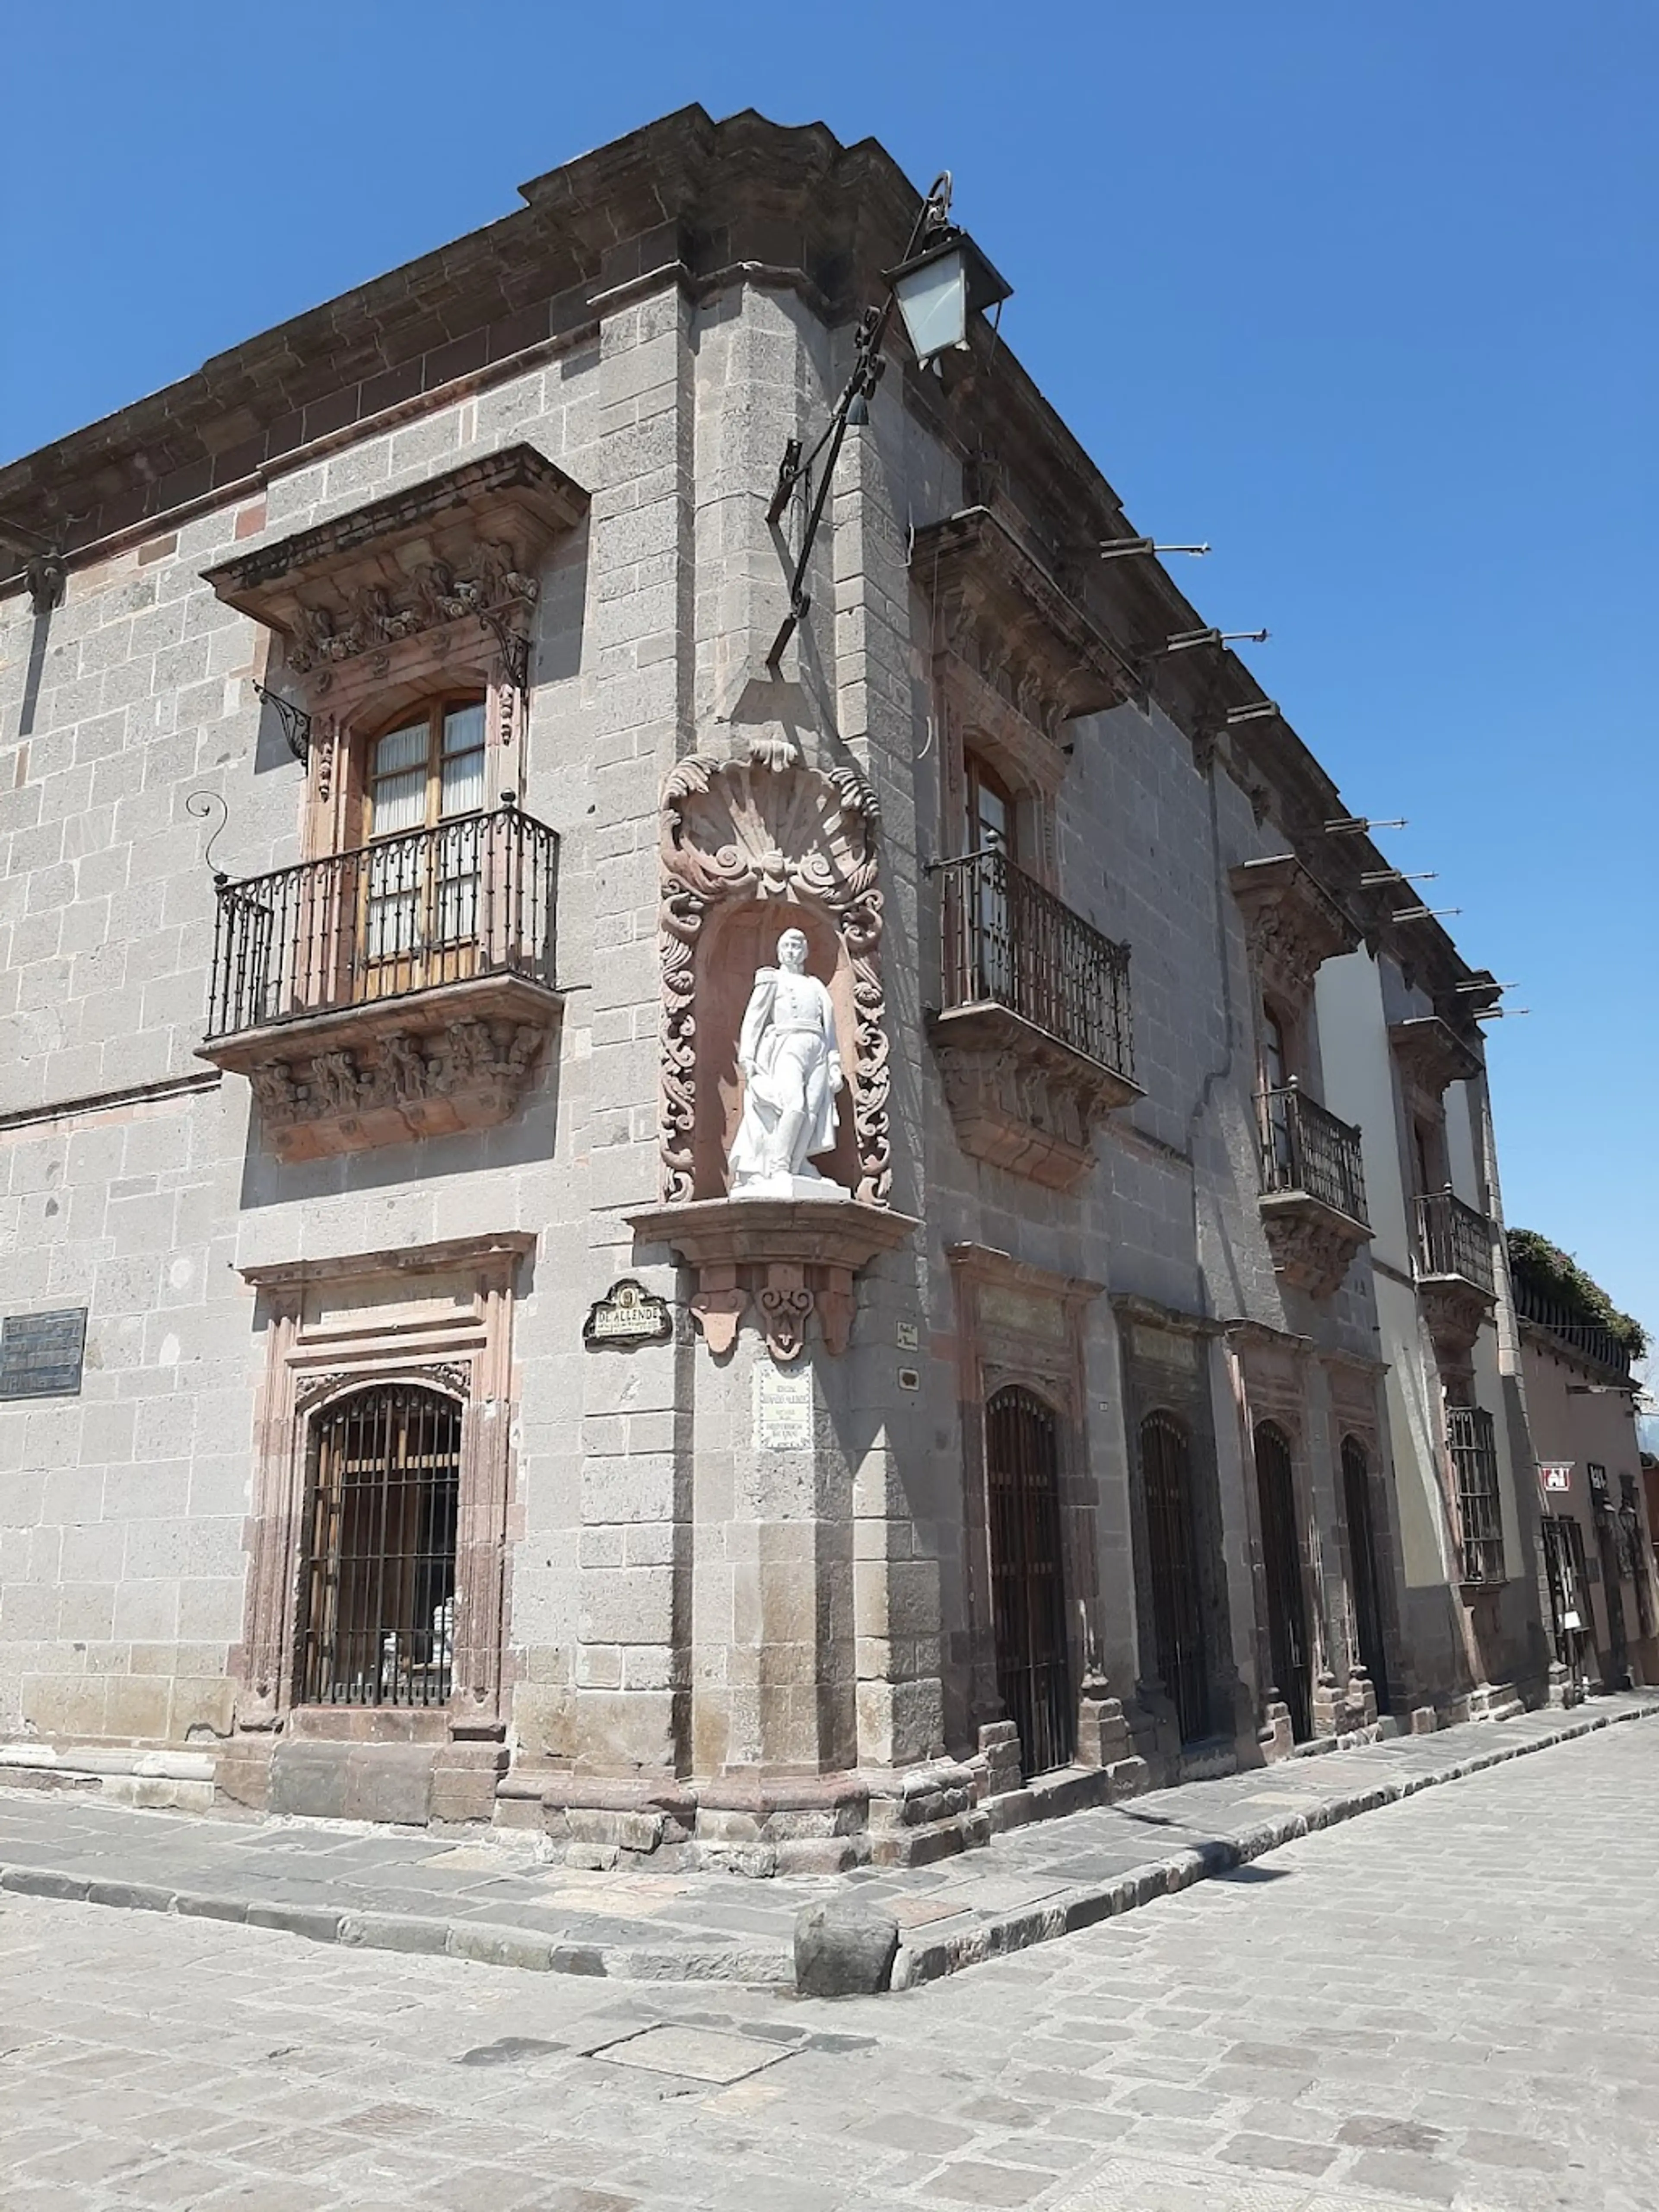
(1473, 1446)
(377, 1581)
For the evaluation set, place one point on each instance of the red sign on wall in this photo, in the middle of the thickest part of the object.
(1555, 1474)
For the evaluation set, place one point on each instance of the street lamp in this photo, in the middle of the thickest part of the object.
(942, 280)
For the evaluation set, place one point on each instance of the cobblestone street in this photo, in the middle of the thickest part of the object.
(1449, 2002)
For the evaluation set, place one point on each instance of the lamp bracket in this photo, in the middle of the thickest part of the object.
(297, 723)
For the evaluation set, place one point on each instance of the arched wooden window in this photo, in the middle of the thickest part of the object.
(377, 1573)
(1177, 1602)
(1281, 1560)
(1363, 1555)
(1022, 1456)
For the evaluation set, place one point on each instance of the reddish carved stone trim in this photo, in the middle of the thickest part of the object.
(749, 831)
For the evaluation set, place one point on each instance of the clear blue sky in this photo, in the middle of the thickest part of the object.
(1364, 295)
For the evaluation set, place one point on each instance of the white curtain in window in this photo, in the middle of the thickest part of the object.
(398, 781)
(462, 791)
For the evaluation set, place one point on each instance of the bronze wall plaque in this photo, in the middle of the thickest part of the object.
(41, 1354)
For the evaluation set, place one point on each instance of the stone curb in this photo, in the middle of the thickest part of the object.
(488, 1943)
(757, 1965)
(1088, 1904)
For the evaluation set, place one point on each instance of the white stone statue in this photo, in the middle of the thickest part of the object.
(791, 1071)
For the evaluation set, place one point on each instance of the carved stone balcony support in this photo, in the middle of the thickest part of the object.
(793, 1258)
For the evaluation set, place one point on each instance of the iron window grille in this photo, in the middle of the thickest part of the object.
(1305, 1148)
(1473, 1443)
(471, 896)
(1177, 1604)
(377, 1571)
(1455, 1239)
(1010, 941)
(1022, 1452)
(1371, 1649)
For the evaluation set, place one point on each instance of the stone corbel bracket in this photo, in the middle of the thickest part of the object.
(789, 1258)
(1294, 924)
(1313, 1245)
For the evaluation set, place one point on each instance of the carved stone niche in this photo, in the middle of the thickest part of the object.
(749, 849)
(1293, 924)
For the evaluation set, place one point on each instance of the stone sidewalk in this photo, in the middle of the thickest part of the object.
(492, 1900)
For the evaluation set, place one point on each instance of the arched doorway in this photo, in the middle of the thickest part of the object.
(377, 1567)
(1281, 1560)
(1172, 1550)
(1028, 1587)
(1363, 1556)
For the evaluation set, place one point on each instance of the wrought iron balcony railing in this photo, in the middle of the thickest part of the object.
(1011, 943)
(1589, 1341)
(1454, 1239)
(472, 898)
(1306, 1150)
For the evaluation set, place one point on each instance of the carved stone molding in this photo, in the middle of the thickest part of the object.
(791, 1258)
(464, 545)
(1430, 1056)
(1003, 616)
(455, 1374)
(1312, 1244)
(1020, 1099)
(745, 832)
(1456, 1311)
(1293, 924)
(459, 1057)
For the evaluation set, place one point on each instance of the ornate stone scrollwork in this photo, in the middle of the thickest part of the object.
(768, 828)
(396, 1083)
(744, 835)
(1293, 922)
(1312, 1245)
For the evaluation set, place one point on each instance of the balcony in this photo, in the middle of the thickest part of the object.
(1313, 1190)
(1034, 1033)
(406, 990)
(1570, 1334)
(1456, 1281)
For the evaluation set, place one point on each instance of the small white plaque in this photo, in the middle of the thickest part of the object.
(783, 1406)
(905, 1336)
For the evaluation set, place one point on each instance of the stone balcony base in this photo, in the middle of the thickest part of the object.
(1021, 1099)
(793, 1258)
(428, 1064)
(1313, 1245)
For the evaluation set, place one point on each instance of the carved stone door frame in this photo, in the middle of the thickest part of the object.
(1022, 1325)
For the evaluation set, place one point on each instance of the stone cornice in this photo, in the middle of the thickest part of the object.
(468, 542)
(1432, 1054)
(1010, 620)
(506, 1245)
(1171, 1321)
(1293, 922)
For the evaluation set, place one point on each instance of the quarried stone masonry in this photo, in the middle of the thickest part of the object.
(1054, 1179)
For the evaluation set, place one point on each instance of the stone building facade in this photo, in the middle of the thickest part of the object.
(449, 1442)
